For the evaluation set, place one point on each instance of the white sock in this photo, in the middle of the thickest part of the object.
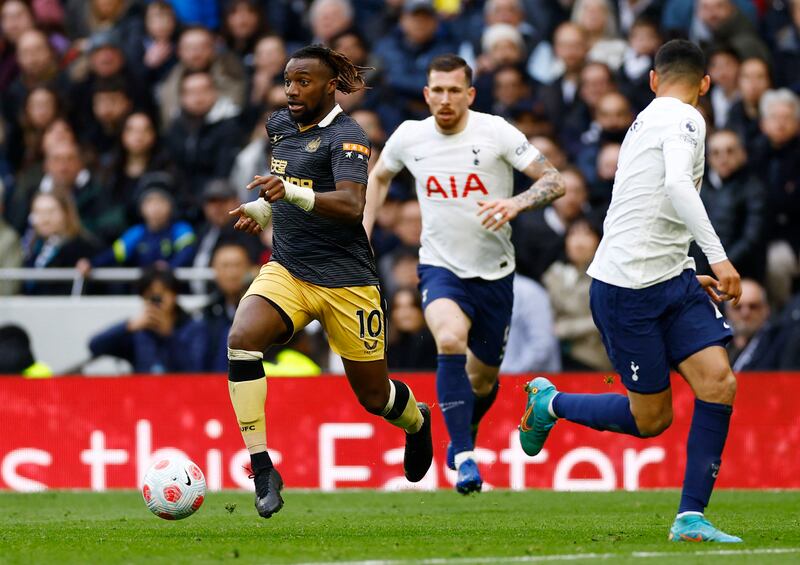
(550, 406)
(690, 513)
(463, 456)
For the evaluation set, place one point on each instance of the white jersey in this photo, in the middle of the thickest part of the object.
(656, 209)
(453, 173)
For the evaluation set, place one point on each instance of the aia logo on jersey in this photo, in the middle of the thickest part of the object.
(473, 184)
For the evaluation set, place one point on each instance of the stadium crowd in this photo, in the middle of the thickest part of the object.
(129, 128)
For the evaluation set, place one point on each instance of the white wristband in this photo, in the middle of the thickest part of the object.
(259, 210)
(300, 196)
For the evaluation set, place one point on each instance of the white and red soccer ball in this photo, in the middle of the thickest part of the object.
(174, 488)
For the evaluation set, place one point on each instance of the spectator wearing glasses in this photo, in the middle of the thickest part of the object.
(756, 343)
(734, 198)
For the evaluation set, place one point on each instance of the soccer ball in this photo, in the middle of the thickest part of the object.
(174, 488)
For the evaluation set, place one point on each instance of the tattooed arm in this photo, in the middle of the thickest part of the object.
(549, 185)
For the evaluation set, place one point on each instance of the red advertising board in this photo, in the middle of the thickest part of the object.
(101, 433)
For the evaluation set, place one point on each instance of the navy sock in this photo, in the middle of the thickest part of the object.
(605, 412)
(707, 437)
(483, 403)
(455, 399)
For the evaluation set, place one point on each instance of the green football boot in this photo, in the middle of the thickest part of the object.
(537, 422)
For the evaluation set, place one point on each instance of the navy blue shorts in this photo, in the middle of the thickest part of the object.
(646, 331)
(487, 304)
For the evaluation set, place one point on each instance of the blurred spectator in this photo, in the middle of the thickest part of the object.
(721, 22)
(511, 90)
(370, 122)
(28, 177)
(111, 104)
(629, 12)
(734, 198)
(83, 18)
(597, 18)
(501, 45)
(42, 108)
(38, 66)
(243, 21)
(10, 249)
(410, 345)
(16, 18)
(606, 170)
(328, 18)
(538, 236)
(65, 172)
(54, 239)
(559, 65)
(568, 286)
(596, 81)
(407, 228)
(162, 338)
(197, 53)
(755, 344)
(743, 116)
(402, 271)
(634, 75)
(532, 345)
(408, 50)
(269, 60)
(786, 52)
(159, 239)
(16, 355)
(106, 60)
(204, 139)
(220, 197)
(375, 98)
(233, 272)
(137, 152)
(723, 67)
(612, 118)
(776, 154)
(155, 52)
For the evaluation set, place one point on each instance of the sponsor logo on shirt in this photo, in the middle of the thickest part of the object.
(278, 166)
(472, 184)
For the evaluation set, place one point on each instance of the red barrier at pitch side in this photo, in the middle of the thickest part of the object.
(95, 433)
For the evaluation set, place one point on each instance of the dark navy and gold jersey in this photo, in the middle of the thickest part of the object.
(322, 251)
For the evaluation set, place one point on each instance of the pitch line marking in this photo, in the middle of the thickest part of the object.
(560, 557)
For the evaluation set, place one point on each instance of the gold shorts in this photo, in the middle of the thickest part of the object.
(352, 316)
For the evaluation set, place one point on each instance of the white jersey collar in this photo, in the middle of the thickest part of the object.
(326, 121)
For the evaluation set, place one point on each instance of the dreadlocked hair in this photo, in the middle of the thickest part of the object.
(349, 77)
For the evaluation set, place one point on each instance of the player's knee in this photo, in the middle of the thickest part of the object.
(722, 388)
(451, 343)
(373, 399)
(653, 425)
(240, 338)
(718, 385)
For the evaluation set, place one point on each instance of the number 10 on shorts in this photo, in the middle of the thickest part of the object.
(369, 324)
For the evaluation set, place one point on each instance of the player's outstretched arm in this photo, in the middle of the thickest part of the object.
(377, 189)
(549, 185)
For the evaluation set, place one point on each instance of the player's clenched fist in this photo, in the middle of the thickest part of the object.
(270, 187)
(729, 283)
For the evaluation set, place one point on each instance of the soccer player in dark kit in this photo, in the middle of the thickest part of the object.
(322, 265)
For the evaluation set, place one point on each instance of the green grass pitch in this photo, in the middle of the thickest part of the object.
(435, 528)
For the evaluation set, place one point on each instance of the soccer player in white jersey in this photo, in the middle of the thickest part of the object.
(651, 309)
(463, 164)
